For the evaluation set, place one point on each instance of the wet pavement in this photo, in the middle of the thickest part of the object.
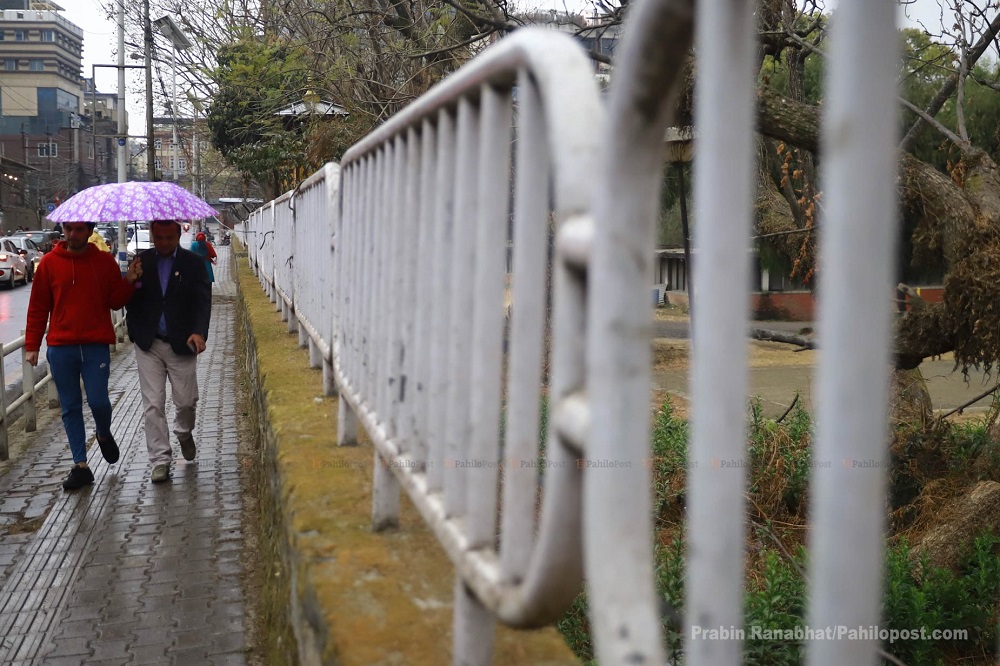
(124, 571)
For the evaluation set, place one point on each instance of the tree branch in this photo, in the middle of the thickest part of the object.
(951, 84)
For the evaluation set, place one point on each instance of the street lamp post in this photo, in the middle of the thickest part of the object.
(147, 32)
(169, 29)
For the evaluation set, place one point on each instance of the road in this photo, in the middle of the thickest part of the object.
(13, 306)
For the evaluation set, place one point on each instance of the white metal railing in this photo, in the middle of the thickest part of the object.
(29, 387)
(392, 267)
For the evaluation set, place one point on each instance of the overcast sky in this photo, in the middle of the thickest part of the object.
(100, 41)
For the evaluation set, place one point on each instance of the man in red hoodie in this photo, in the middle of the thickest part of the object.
(76, 287)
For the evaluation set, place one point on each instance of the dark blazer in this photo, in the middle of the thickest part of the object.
(187, 302)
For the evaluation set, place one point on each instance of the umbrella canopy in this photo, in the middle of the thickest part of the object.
(138, 200)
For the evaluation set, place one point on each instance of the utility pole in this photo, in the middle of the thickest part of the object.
(122, 115)
(195, 155)
(147, 31)
(122, 131)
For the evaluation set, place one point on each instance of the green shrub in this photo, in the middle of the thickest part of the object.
(775, 599)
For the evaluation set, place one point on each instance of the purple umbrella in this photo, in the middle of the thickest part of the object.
(138, 200)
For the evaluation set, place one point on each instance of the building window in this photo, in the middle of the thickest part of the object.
(10, 65)
(48, 36)
(48, 150)
(90, 151)
(21, 35)
(156, 163)
(37, 65)
(3, 34)
(157, 144)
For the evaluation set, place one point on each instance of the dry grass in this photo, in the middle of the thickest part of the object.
(674, 354)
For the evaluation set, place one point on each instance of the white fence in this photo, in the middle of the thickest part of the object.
(392, 267)
(30, 388)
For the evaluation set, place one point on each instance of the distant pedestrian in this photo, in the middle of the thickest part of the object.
(76, 287)
(203, 248)
(168, 320)
(97, 239)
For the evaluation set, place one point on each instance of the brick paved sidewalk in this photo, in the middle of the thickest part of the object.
(125, 572)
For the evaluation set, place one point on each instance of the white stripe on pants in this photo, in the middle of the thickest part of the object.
(155, 367)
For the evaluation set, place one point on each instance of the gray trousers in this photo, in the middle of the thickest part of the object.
(156, 366)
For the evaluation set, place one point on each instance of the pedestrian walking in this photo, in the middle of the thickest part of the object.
(168, 320)
(203, 248)
(76, 287)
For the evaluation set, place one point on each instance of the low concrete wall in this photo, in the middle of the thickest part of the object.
(355, 597)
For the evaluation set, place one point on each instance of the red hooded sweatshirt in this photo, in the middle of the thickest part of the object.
(78, 291)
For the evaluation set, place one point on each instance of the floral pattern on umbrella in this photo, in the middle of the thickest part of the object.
(135, 200)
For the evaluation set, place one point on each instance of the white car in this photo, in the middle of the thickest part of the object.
(13, 267)
(32, 253)
(140, 241)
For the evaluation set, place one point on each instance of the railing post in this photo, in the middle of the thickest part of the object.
(385, 496)
(52, 392)
(304, 341)
(475, 628)
(329, 381)
(28, 386)
(315, 356)
(347, 423)
(4, 451)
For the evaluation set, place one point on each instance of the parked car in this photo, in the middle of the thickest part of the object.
(13, 267)
(140, 241)
(27, 249)
(45, 240)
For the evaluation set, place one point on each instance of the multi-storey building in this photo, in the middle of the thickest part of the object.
(46, 119)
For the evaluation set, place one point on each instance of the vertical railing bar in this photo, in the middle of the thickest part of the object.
(462, 297)
(424, 297)
(527, 321)
(725, 111)
(491, 220)
(411, 235)
(441, 333)
(350, 227)
(860, 226)
(372, 278)
(377, 313)
(390, 243)
(362, 288)
(363, 294)
(390, 246)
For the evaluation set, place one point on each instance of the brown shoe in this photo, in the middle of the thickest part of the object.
(187, 446)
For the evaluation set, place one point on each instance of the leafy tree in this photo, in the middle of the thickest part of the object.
(255, 80)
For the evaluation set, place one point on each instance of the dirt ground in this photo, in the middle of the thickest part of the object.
(777, 372)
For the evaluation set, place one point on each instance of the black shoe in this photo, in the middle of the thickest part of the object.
(187, 446)
(109, 448)
(78, 478)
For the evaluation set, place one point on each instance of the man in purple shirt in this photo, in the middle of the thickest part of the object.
(168, 320)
